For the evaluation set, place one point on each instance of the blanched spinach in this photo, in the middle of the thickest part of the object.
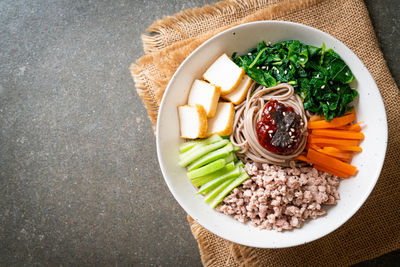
(319, 76)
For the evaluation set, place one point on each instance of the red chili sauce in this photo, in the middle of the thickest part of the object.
(278, 130)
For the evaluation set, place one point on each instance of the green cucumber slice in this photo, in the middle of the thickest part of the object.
(204, 179)
(201, 151)
(187, 146)
(236, 148)
(217, 154)
(215, 182)
(235, 183)
(230, 157)
(207, 169)
(212, 194)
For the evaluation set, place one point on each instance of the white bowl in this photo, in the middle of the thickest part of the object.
(353, 192)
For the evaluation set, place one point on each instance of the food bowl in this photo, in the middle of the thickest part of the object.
(353, 191)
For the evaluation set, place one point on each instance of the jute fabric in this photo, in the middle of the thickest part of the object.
(375, 229)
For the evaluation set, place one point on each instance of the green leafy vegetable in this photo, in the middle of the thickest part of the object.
(320, 77)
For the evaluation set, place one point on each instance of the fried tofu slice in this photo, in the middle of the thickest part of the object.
(225, 74)
(192, 121)
(239, 94)
(222, 121)
(205, 94)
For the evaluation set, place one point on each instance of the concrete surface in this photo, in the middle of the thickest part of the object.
(79, 178)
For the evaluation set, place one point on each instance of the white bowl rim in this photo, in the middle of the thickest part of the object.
(379, 164)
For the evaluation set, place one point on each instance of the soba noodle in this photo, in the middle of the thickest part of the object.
(249, 112)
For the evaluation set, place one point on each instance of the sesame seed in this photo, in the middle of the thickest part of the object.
(330, 82)
(269, 108)
(249, 54)
(289, 146)
(290, 66)
(292, 137)
(277, 71)
(328, 68)
(270, 135)
(285, 71)
(287, 125)
(301, 123)
(267, 67)
(317, 76)
(338, 88)
(270, 131)
(347, 74)
(290, 133)
(295, 140)
(327, 102)
(258, 68)
(284, 113)
(263, 67)
(323, 86)
(301, 59)
(292, 130)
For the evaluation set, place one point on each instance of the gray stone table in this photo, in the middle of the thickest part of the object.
(79, 178)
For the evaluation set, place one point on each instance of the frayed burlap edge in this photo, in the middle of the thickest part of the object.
(207, 15)
(246, 256)
(150, 98)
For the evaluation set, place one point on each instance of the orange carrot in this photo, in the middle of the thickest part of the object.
(336, 122)
(303, 158)
(330, 162)
(314, 146)
(321, 140)
(316, 118)
(331, 171)
(334, 152)
(338, 134)
(347, 148)
(356, 127)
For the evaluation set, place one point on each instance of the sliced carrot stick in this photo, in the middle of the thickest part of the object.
(321, 140)
(356, 127)
(336, 122)
(314, 146)
(316, 118)
(334, 152)
(331, 171)
(303, 158)
(346, 148)
(345, 128)
(338, 134)
(330, 162)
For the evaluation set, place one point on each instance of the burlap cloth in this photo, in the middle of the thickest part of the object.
(374, 229)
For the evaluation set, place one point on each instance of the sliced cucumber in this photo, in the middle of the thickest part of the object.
(236, 148)
(217, 154)
(225, 191)
(212, 194)
(230, 157)
(187, 146)
(204, 179)
(201, 151)
(207, 169)
(190, 151)
(215, 182)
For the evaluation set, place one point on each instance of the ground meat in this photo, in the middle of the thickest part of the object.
(281, 198)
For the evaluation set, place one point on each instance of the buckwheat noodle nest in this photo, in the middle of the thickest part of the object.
(249, 112)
